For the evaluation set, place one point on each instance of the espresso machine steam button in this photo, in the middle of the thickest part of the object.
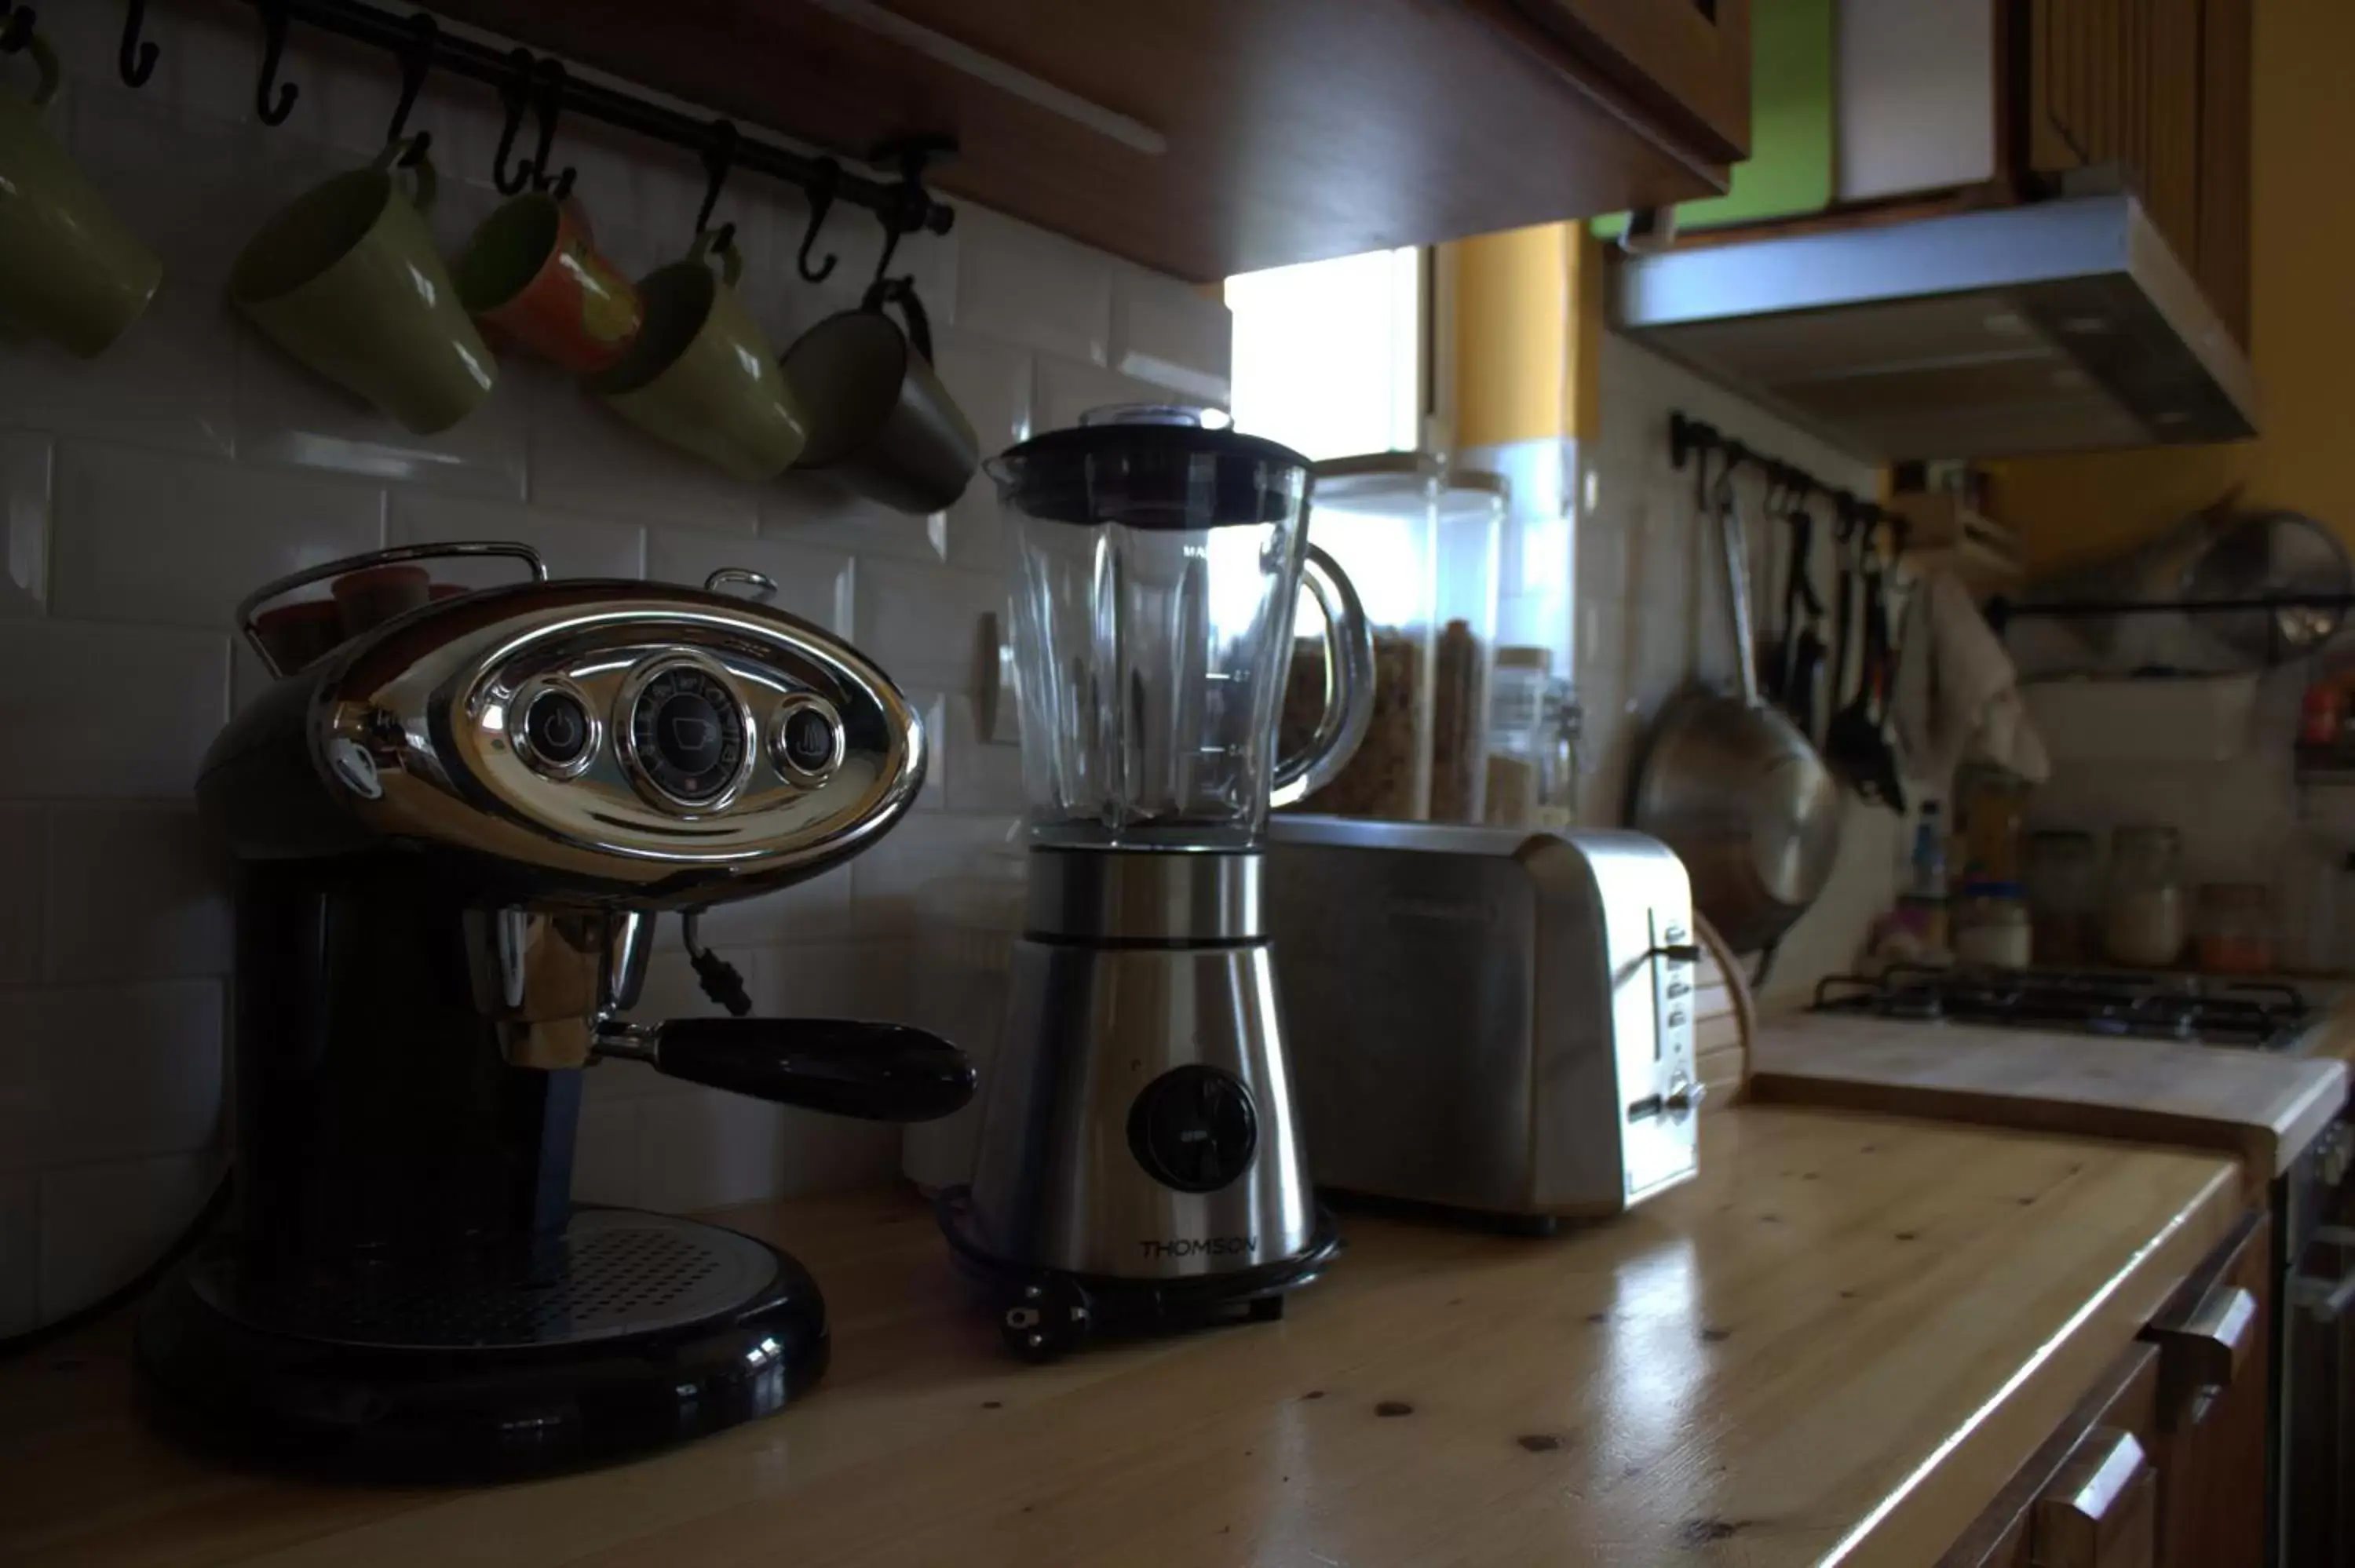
(806, 741)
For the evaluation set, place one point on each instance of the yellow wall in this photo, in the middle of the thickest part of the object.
(1525, 302)
(2303, 302)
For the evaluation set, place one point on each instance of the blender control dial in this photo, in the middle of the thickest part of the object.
(685, 736)
(1194, 1129)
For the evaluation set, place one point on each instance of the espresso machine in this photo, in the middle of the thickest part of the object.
(453, 833)
(1138, 1166)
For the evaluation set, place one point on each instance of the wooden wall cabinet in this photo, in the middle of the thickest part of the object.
(2161, 90)
(1217, 136)
(2162, 1464)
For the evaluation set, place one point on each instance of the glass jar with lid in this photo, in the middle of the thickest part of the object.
(2064, 897)
(2233, 928)
(1377, 517)
(1472, 506)
(2144, 921)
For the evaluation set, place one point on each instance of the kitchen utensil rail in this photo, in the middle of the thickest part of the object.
(1690, 437)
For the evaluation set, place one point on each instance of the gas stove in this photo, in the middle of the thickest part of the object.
(2204, 1010)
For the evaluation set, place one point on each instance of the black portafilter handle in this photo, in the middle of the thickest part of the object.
(879, 1072)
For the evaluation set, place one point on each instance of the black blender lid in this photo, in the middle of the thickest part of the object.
(1140, 465)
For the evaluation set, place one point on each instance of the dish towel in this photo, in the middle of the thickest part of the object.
(1956, 694)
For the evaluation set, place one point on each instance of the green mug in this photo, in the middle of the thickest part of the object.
(346, 279)
(700, 375)
(69, 271)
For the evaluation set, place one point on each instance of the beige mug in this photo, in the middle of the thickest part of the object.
(346, 279)
(881, 425)
(700, 374)
(69, 271)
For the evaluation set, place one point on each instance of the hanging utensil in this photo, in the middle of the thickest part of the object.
(1858, 739)
(1733, 786)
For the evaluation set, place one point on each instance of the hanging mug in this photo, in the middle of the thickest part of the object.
(346, 279)
(69, 269)
(880, 422)
(533, 271)
(700, 374)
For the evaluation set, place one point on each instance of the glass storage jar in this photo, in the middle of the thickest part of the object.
(2144, 921)
(2064, 897)
(2233, 928)
(1472, 506)
(1379, 517)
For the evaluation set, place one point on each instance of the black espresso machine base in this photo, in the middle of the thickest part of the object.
(633, 1332)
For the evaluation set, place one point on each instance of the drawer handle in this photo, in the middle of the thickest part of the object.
(2101, 1509)
(2201, 1352)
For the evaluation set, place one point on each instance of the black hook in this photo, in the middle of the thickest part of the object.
(719, 157)
(514, 93)
(549, 99)
(17, 31)
(911, 206)
(136, 60)
(274, 47)
(416, 58)
(821, 199)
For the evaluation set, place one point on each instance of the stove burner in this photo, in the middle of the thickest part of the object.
(2129, 1006)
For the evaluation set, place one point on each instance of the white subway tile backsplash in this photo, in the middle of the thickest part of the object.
(20, 1255)
(175, 182)
(887, 882)
(163, 540)
(816, 585)
(1065, 392)
(810, 509)
(165, 692)
(25, 466)
(103, 1225)
(22, 829)
(1033, 290)
(585, 458)
(113, 1073)
(923, 625)
(573, 547)
(1176, 338)
(287, 414)
(134, 892)
(143, 493)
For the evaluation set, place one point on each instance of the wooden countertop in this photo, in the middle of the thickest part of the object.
(2265, 1106)
(1833, 1346)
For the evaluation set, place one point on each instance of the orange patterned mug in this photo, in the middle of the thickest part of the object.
(533, 271)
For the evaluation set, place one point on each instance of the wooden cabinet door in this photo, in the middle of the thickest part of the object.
(2088, 1498)
(2214, 1341)
(1682, 63)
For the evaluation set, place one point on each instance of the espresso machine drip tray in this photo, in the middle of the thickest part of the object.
(629, 1332)
(614, 1273)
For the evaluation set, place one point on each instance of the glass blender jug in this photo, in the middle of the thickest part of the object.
(1156, 558)
(1137, 1161)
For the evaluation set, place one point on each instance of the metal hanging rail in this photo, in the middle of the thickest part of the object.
(1689, 438)
(420, 47)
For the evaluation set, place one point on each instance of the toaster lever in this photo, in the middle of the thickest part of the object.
(1678, 952)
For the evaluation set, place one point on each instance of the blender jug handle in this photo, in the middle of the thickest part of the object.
(1348, 685)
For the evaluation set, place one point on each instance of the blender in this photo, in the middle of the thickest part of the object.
(1138, 1165)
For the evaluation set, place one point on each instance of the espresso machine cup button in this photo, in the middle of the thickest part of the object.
(1194, 1129)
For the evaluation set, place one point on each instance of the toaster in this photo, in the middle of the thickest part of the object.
(1493, 1020)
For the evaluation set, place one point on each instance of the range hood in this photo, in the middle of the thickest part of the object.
(2056, 326)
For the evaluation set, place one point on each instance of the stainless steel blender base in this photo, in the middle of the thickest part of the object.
(1139, 1123)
